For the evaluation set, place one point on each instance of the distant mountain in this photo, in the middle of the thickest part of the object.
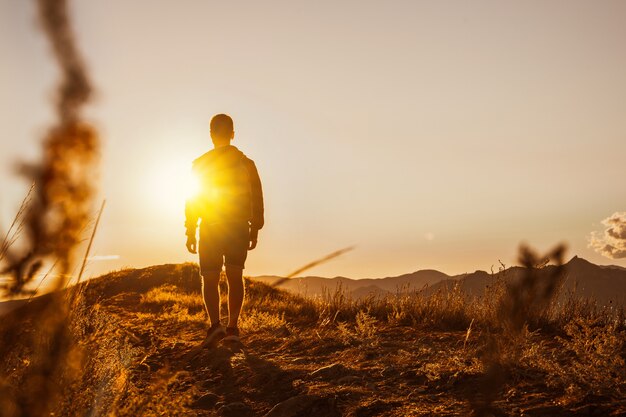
(316, 286)
(607, 284)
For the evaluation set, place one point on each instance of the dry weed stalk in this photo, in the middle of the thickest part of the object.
(61, 203)
(51, 223)
(524, 302)
(15, 229)
(313, 264)
(88, 250)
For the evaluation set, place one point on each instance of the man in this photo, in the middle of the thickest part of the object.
(229, 205)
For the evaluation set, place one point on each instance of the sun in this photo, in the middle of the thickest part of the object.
(168, 184)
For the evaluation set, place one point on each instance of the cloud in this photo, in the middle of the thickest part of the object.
(612, 242)
(429, 236)
(103, 257)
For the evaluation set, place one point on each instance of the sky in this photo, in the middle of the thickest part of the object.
(428, 134)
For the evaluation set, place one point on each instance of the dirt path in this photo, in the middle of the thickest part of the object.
(140, 331)
(396, 371)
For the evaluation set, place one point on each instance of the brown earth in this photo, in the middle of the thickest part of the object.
(140, 332)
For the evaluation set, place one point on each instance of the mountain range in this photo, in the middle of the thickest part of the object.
(606, 284)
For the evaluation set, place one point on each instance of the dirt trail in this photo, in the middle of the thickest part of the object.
(275, 365)
(143, 328)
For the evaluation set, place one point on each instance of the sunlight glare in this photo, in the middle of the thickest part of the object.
(170, 184)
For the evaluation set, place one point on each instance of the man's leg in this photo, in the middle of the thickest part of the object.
(211, 295)
(234, 274)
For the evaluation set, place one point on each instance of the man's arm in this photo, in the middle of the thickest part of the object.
(258, 214)
(191, 223)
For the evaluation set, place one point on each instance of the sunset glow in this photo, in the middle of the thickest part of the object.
(287, 208)
(168, 184)
(428, 135)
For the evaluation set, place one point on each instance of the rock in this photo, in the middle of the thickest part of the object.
(388, 371)
(375, 408)
(305, 406)
(334, 371)
(206, 401)
(152, 363)
(545, 410)
(414, 377)
(592, 410)
(283, 331)
(291, 407)
(416, 394)
(349, 379)
(237, 409)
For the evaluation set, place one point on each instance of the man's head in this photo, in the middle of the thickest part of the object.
(222, 131)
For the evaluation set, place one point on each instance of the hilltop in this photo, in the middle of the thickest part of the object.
(138, 332)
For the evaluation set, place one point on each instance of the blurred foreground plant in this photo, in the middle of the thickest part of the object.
(61, 203)
(51, 221)
(523, 302)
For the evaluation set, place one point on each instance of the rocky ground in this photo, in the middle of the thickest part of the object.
(143, 328)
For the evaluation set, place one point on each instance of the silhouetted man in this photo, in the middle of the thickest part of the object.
(229, 204)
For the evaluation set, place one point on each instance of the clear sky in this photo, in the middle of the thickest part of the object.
(430, 134)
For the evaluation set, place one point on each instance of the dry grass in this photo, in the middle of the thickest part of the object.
(405, 354)
(49, 226)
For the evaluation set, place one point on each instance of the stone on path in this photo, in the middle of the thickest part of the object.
(305, 406)
(237, 409)
(334, 371)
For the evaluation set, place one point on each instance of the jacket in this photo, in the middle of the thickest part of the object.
(229, 190)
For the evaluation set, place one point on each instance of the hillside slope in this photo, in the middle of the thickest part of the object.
(140, 329)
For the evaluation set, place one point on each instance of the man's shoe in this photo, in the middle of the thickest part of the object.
(214, 335)
(232, 335)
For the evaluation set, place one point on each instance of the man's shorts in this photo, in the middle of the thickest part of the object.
(223, 243)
